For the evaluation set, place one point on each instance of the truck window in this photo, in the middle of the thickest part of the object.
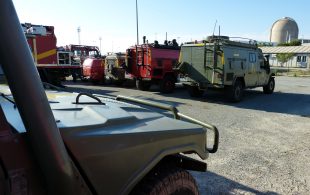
(252, 57)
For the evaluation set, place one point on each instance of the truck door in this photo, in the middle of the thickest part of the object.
(143, 65)
(33, 47)
(263, 71)
(251, 75)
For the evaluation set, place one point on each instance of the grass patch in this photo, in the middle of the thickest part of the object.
(291, 72)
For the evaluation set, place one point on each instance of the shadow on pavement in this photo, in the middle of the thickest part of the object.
(278, 102)
(212, 183)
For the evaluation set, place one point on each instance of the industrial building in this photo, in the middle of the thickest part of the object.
(286, 30)
(300, 59)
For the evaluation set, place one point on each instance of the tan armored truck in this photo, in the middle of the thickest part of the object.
(222, 63)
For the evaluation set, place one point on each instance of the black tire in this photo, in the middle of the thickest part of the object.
(95, 82)
(269, 88)
(168, 181)
(142, 85)
(194, 91)
(74, 77)
(167, 85)
(118, 82)
(235, 92)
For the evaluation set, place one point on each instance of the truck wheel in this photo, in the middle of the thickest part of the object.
(142, 85)
(95, 81)
(167, 85)
(194, 91)
(119, 82)
(236, 92)
(174, 181)
(268, 89)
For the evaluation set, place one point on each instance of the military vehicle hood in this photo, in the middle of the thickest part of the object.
(126, 139)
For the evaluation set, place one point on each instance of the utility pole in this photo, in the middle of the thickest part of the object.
(100, 38)
(137, 20)
(79, 31)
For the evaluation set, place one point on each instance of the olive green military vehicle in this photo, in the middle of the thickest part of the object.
(54, 142)
(222, 63)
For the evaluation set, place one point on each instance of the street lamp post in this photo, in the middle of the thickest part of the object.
(137, 20)
(100, 38)
(79, 31)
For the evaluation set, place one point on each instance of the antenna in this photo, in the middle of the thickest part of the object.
(214, 27)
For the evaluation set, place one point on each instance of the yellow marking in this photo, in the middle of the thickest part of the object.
(199, 44)
(180, 56)
(46, 54)
(223, 59)
(34, 42)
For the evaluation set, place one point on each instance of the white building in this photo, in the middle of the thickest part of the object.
(301, 58)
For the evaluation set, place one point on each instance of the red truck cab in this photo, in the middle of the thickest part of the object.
(93, 69)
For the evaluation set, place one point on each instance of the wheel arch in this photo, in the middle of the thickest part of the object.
(239, 79)
(170, 74)
(178, 161)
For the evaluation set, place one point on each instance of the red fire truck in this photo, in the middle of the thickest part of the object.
(153, 64)
(53, 64)
(82, 52)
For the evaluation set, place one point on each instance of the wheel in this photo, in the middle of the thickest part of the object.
(118, 82)
(174, 181)
(167, 85)
(268, 89)
(236, 92)
(142, 85)
(95, 81)
(74, 77)
(194, 91)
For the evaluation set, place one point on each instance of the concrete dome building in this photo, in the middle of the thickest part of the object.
(284, 30)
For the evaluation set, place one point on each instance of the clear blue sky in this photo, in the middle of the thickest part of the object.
(184, 20)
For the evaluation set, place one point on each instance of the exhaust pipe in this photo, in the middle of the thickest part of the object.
(29, 95)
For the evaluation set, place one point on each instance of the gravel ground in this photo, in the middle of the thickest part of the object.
(264, 140)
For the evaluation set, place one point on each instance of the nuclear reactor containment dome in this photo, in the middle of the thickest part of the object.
(284, 30)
